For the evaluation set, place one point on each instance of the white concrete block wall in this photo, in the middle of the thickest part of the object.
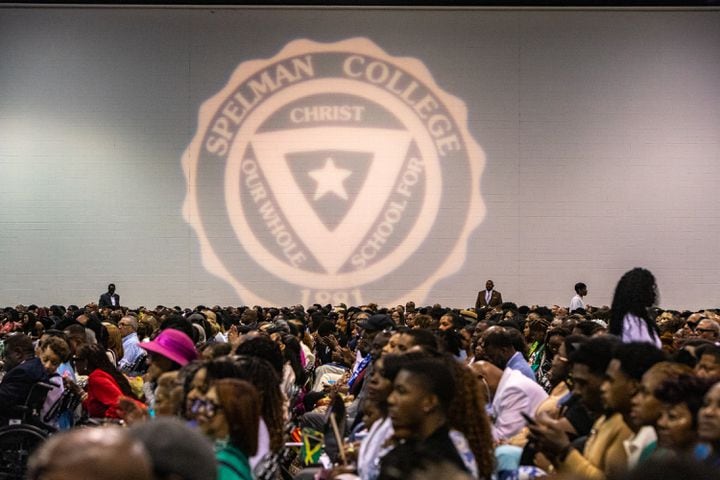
(600, 131)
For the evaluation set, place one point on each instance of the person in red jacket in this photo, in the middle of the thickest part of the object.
(105, 385)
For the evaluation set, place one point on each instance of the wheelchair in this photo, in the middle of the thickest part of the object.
(23, 434)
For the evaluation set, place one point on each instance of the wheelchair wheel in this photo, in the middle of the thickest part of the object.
(17, 443)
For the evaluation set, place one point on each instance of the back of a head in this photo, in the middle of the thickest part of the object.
(587, 327)
(518, 339)
(509, 307)
(177, 452)
(540, 322)
(102, 453)
(264, 347)
(178, 322)
(216, 350)
(325, 328)
(673, 467)
(498, 337)
(223, 367)
(410, 461)
(21, 342)
(255, 370)
(424, 321)
(450, 341)
(95, 356)
(76, 332)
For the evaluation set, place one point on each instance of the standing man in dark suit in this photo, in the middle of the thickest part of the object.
(488, 297)
(23, 369)
(109, 299)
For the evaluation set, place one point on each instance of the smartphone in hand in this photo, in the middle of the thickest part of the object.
(528, 419)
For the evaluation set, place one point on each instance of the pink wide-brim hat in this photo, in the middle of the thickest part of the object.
(174, 345)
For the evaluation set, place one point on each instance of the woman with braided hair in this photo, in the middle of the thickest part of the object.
(467, 415)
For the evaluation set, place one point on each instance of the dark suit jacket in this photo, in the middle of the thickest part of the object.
(105, 300)
(16, 384)
(495, 300)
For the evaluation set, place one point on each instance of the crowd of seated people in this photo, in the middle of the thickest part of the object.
(411, 392)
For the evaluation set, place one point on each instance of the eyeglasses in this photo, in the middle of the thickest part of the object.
(208, 406)
(705, 330)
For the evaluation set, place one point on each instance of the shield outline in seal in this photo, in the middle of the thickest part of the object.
(212, 244)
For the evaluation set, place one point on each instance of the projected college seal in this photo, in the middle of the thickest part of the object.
(333, 173)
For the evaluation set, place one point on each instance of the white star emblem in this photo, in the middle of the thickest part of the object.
(330, 180)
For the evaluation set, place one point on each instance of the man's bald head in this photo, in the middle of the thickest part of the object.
(106, 453)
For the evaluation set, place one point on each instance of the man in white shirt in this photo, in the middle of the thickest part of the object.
(513, 394)
(577, 301)
(131, 344)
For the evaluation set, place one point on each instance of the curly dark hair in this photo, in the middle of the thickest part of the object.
(467, 415)
(635, 293)
(262, 346)
(687, 389)
(556, 332)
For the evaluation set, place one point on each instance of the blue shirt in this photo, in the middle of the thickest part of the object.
(131, 349)
(518, 362)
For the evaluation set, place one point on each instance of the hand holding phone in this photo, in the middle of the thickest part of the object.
(528, 419)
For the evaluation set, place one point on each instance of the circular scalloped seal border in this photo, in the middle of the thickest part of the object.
(233, 259)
